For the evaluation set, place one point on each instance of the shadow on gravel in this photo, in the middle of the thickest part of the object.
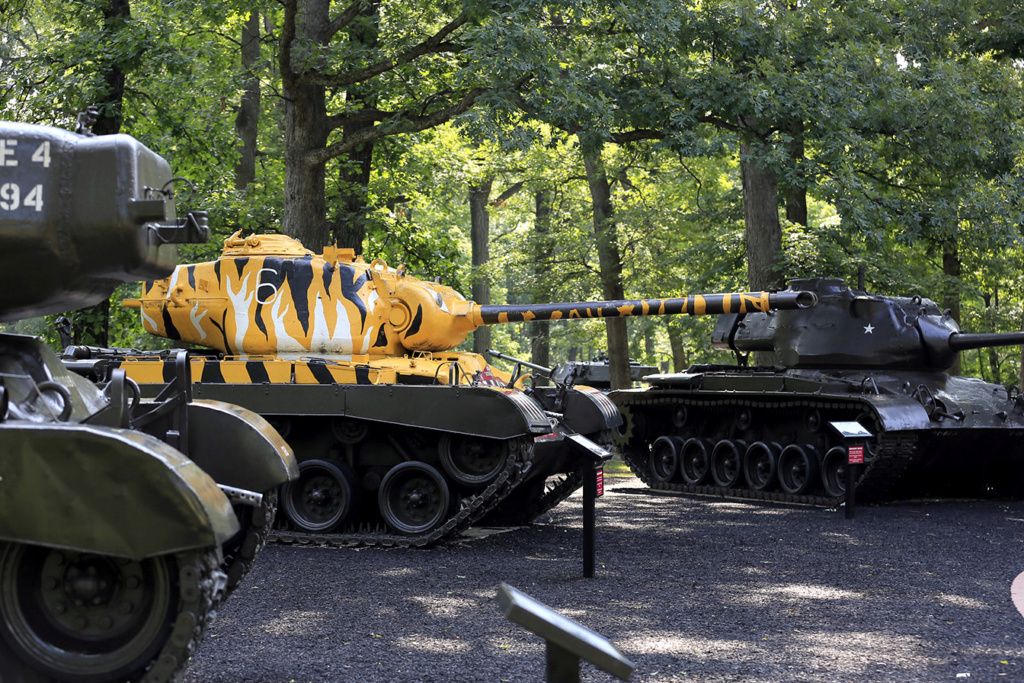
(688, 588)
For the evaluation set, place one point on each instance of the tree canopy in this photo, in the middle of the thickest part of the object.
(740, 142)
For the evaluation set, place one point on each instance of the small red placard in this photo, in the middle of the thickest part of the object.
(599, 474)
(856, 455)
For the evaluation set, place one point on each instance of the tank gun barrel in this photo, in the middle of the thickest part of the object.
(697, 304)
(963, 341)
(943, 344)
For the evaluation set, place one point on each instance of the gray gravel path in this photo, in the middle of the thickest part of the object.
(687, 588)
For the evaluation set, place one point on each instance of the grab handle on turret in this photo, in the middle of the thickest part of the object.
(194, 228)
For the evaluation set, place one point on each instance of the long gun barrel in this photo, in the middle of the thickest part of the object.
(697, 304)
(963, 341)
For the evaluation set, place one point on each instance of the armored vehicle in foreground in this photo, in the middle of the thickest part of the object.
(115, 548)
(401, 439)
(763, 432)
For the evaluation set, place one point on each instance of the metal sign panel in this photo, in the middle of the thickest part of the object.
(545, 622)
(851, 430)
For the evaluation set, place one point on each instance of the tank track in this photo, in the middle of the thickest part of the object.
(512, 512)
(519, 510)
(893, 455)
(201, 591)
(240, 553)
(472, 510)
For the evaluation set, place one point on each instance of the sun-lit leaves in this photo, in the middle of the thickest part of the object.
(910, 123)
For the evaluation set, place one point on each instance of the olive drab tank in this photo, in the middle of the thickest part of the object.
(764, 432)
(402, 440)
(115, 547)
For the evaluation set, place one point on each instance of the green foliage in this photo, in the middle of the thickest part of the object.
(909, 117)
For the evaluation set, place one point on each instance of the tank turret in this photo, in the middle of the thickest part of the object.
(80, 215)
(267, 295)
(854, 329)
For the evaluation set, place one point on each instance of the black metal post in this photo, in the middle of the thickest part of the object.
(589, 519)
(851, 486)
(562, 665)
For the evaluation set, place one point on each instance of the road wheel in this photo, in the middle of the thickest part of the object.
(321, 499)
(82, 617)
(414, 498)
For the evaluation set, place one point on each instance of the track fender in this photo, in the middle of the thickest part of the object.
(105, 490)
(494, 412)
(237, 447)
(588, 410)
(899, 414)
(488, 411)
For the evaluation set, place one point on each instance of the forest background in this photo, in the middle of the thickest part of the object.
(563, 150)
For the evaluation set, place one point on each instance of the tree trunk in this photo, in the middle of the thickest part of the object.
(951, 292)
(248, 117)
(354, 180)
(480, 231)
(116, 14)
(540, 333)
(991, 300)
(796, 193)
(761, 216)
(764, 231)
(349, 228)
(305, 208)
(610, 263)
(1020, 375)
(675, 340)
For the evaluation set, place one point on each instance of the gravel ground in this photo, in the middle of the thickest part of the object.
(686, 587)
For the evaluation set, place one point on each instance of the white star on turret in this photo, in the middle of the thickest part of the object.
(869, 328)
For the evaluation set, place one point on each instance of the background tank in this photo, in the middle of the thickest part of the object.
(763, 432)
(401, 439)
(596, 372)
(115, 548)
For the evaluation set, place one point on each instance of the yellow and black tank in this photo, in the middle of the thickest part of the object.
(401, 439)
(121, 527)
(881, 361)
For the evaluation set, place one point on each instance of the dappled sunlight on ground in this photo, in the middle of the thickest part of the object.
(853, 652)
(436, 645)
(960, 601)
(296, 623)
(811, 592)
(399, 573)
(686, 588)
(688, 646)
(444, 606)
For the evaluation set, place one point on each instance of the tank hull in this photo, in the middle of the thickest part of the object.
(764, 433)
(477, 451)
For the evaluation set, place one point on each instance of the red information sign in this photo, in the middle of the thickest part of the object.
(856, 455)
(599, 474)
